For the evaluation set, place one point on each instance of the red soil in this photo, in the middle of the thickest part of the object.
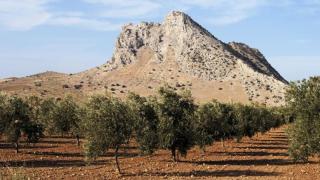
(262, 157)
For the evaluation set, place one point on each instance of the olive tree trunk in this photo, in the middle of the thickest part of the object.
(78, 140)
(117, 161)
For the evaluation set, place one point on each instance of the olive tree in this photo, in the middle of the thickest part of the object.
(108, 124)
(65, 115)
(19, 123)
(303, 98)
(226, 119)
(176, 113)
(145, 122)
(244, 125)
(263, 119)
(47, 108)
(34, 103)
(207, 124)
(214, 122)
(266, 118)
(4, 108)
(61, 117)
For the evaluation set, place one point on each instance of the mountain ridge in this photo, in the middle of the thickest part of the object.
(236, 49)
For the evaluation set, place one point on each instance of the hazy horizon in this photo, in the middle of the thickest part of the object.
(72, 36)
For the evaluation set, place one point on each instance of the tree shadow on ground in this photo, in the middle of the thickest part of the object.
(58, 142)
(263, 147)
(276, 132)
(121, 154)
(6, 146)
(269, 143)
(25, 146)
(60, 137)
(49, 163)
(218, 173)
(273, 140)
(257, 162)
(279, 137)
(66, 154)
(129, 147)
(256, 153)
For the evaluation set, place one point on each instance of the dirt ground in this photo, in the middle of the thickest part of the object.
(262, 157)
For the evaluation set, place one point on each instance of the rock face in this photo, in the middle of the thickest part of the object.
(255, 59)
(199, 54)
(196, 51)
(181, 53)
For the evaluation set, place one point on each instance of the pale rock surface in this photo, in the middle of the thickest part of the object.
(199, 54)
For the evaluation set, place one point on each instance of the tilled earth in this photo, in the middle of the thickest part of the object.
(262, 157)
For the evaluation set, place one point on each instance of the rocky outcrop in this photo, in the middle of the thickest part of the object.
(196, 50)
(199, 54)
(255, 59)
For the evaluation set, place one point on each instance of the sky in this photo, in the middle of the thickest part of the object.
(73, 35)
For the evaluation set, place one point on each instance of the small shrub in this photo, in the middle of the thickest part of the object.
(78, 86)
(38, 84)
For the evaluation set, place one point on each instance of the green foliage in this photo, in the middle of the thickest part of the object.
(303, 98)
(108, 124)
(205, 126)
(4, 114)
(245, 125)
(16, 120)
(272, 118)
(47, 108)
(34, 103)
(247, 120)
(33, 131)
(214, 122)
(59, 116)
(145, 122)
(65, 116)
(176, 115)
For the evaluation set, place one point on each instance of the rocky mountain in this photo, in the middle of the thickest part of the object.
(181, 53)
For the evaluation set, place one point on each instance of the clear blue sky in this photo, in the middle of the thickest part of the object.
(74, 35)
